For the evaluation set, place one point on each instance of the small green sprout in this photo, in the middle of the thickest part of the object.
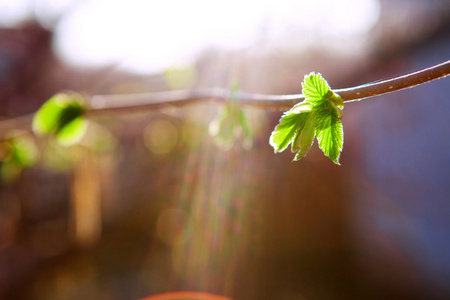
(63, 116)
(318, 115)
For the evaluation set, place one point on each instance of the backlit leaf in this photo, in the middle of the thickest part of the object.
(330, 133)
(304, 139)
(319, 115)
(290, 123)
(315, 89)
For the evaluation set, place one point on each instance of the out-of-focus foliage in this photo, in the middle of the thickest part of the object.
(16, 154)
(62, 115)
(231, 125)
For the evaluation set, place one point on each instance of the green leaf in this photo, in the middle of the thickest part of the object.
(319, 115)
(315, 89)
(330, 133)
(72, 132)
(304, 138)
(290, 123)
(63, 115)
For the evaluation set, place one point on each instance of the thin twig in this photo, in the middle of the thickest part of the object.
(100, 104)
(398, 83)
(127, 102)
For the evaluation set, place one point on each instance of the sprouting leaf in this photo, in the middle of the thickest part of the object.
(304, 139)
(336, 100)
(62, 115)
(319, 114)
(291, 123)
(330, 133)
(315, 89)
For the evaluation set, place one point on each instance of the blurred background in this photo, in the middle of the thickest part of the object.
(178, 199)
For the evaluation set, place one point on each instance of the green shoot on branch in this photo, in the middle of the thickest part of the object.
(63, 116)
(318, 115)
(231, 126)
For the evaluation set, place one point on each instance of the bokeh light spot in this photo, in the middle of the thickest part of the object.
(181, 77)
(160, 136)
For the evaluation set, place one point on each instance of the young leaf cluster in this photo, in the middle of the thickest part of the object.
(318, 115)
(62, 115)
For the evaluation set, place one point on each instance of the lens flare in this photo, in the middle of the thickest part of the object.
(186, 296)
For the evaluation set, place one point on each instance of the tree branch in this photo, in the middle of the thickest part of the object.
(398, 83)
(100, 104)
(108, 103)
